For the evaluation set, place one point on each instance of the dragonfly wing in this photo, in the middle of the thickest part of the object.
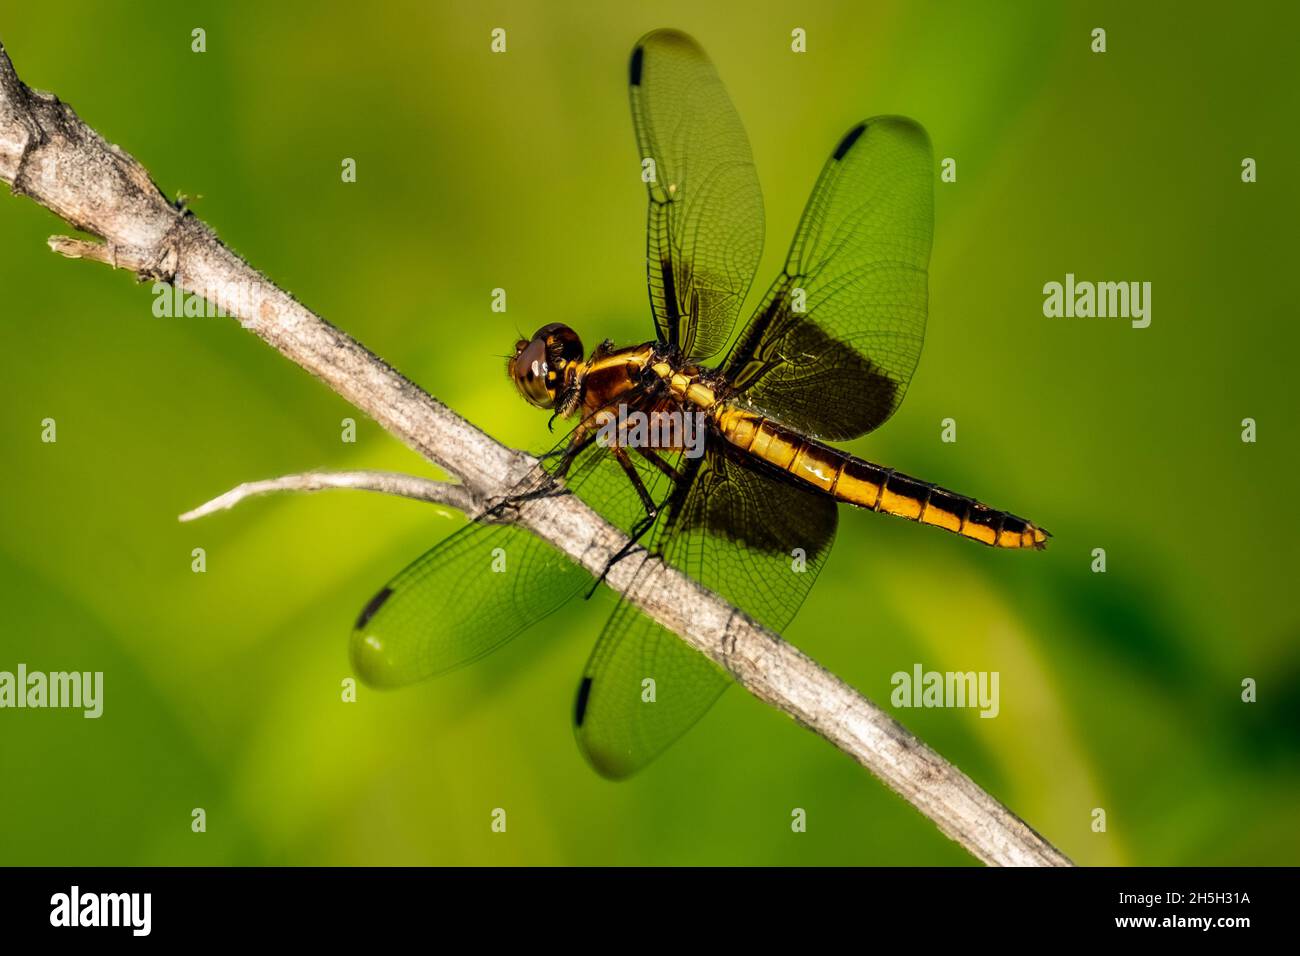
(642, 689)
(459, 601)
(740, 531)
(705, 219)
(833, 345)
(486, 583)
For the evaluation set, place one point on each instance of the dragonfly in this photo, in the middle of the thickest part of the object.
(748, 506)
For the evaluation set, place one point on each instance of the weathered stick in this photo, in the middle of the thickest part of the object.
(50, 155)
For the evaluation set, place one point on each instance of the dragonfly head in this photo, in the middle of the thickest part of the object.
(544, 366)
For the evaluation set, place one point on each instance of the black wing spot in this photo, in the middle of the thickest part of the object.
(580, 710)
(371, 609)
(634, 68)
(849, 139)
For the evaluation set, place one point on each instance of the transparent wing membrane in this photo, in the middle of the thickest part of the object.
(459, 601)
(705, 219)
(481, 586)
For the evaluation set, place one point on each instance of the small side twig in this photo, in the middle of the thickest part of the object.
(384, 482)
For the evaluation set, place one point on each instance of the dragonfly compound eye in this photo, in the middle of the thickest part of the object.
(533, 375)
(562, 344)
(542, 366)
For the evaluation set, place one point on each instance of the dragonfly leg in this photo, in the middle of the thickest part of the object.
(638, 530)
(634, 476)
(642, 526)
(655, 459)
(571, 453)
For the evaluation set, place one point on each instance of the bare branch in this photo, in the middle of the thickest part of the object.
(49, 154)
(385, 482)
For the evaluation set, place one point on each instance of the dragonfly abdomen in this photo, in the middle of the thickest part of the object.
(874, 487)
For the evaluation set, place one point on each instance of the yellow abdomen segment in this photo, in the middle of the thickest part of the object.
(865, 485)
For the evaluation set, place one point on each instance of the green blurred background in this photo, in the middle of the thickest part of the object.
(1119, 690)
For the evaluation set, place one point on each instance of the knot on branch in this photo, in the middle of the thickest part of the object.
(171, 248)
(729, 637)
(160, 262)
(20, 132)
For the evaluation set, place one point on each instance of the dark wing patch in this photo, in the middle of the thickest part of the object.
(839, 366)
